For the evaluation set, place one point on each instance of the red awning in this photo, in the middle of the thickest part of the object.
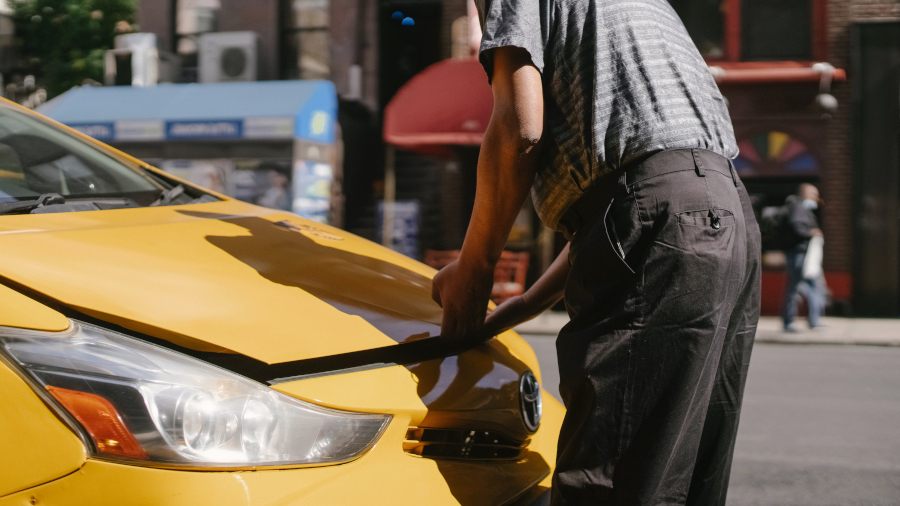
(448, 103)
(771, 72)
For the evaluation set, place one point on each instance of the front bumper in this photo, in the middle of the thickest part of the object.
(385, 475)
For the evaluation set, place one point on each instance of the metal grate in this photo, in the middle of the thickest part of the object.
(462, 444)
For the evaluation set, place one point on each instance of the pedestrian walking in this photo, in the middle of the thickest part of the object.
(606, 111)
(801, 238)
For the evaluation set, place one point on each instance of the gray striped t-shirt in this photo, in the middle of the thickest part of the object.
(622, 80)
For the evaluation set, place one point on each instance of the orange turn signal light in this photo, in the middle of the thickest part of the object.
(101, 420)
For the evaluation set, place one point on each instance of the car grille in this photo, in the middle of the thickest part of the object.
(462, 444)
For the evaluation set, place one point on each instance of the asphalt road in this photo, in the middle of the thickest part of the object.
(820, 425)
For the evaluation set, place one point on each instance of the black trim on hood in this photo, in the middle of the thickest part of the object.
(398, 354)
(406, 353)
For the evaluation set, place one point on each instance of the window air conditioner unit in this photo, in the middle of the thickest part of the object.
(135, 61)
(228, 56)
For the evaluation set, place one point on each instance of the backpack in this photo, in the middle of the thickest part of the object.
(785, 235)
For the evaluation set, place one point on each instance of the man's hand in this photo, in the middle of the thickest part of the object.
(463, 291)
(816, 232)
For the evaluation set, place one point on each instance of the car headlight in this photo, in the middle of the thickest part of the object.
(147, 404)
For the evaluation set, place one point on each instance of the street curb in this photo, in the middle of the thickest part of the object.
(551, 333)
(770, 340)
(838, 331)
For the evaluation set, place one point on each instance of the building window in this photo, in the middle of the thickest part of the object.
(776, 30)
(305, 39)
(755, 30)
(705, 22)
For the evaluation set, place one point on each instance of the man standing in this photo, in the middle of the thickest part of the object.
(607, 112)
(797, 228)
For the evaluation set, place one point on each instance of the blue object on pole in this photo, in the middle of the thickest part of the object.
(408, 22)
(397, 15)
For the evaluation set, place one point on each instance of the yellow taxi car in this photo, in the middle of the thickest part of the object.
(161, 344)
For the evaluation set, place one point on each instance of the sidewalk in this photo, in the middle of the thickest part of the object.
(858, 331)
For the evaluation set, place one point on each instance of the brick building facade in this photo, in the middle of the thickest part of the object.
(771, 78)
(837, 182)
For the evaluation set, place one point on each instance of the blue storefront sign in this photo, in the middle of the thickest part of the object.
(222, 113)
(304, 110)
(99, 131)
(215, 129)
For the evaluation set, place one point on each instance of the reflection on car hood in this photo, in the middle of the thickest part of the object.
(226, 277)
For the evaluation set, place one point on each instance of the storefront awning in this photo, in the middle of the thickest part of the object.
(774, 72)
(448, 103)
(264, 110)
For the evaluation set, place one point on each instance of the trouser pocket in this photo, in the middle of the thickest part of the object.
(622, 228)
(599, 256)
(695, 253)
(707, 218)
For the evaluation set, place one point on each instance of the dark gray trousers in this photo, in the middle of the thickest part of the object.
(663, 296)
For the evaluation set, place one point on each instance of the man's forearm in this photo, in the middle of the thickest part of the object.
(505, 172)
(508, 158)
(550, 287)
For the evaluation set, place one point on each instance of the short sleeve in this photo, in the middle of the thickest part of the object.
(520, 23)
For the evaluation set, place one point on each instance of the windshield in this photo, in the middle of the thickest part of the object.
(37, 158)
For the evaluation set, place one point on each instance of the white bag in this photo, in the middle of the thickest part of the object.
(812, 264)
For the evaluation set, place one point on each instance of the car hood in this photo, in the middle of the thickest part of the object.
(223, 277)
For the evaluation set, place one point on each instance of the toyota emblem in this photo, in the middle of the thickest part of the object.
(530, 401)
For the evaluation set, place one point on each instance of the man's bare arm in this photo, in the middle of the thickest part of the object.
(506, 168)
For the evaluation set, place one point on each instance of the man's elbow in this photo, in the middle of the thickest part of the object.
(521, 137)
(529, 138)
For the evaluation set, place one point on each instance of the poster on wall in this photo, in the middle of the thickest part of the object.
(774, 153)
(405, 238)
(312, 190)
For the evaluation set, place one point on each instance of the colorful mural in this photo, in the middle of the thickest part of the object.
(774, 153)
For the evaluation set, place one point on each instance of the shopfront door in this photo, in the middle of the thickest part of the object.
(876, 158)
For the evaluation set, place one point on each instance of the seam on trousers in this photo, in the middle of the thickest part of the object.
(641, 212)
(701, 172)
(709, 355)
(712, 208)
(627, 402)
(637, 303)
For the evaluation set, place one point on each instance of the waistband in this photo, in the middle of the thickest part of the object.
(592, 203)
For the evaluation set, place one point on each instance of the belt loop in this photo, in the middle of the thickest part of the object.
(698, 164)
(733, 171)
(623, 183)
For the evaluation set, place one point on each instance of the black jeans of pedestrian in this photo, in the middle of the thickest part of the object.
(663, 295)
